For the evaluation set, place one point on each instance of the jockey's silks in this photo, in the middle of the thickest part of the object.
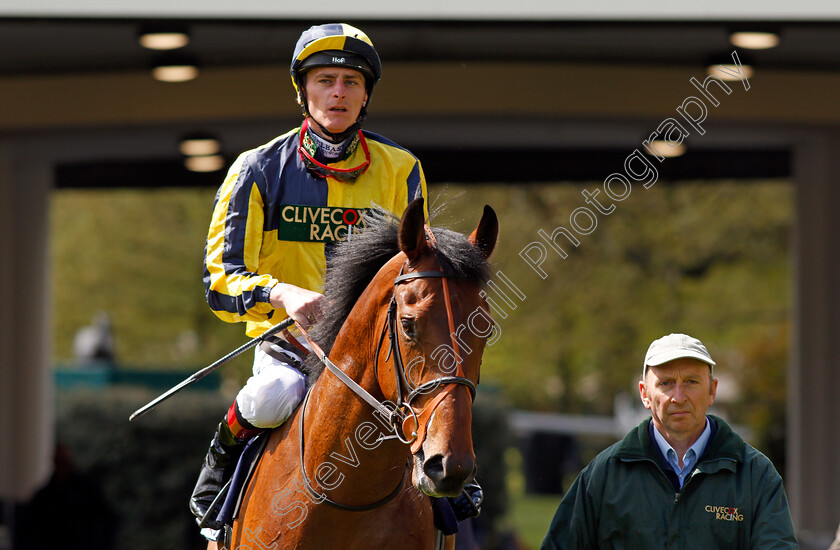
(274, 220)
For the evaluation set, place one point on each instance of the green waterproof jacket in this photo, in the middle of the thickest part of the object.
(733, 499)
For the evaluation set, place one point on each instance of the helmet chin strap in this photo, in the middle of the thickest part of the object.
(340, 136)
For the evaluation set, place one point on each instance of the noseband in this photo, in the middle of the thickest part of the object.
(401, 413)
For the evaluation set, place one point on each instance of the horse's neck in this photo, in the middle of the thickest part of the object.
(354, 349)
(341, 430)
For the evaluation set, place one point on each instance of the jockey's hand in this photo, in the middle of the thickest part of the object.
(304, 306)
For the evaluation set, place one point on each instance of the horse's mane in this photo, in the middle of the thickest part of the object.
(354, 262)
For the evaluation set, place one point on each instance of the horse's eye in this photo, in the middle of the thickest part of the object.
(408, 326)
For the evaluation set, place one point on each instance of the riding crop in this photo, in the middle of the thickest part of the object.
(210, 368)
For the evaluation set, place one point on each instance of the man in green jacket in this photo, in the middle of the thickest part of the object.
(682, 479)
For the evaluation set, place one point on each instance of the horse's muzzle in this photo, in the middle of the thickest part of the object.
(444, 475)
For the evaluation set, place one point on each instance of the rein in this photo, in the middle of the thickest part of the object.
(400, 416)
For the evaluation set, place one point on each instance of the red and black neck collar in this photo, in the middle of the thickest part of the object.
(307, 148)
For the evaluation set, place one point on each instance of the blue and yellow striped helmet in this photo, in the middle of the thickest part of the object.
(335, 44)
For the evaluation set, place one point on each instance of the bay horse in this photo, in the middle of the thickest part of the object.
(407, 322)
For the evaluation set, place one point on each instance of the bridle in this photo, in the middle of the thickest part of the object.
(417, 435)
(399, 414)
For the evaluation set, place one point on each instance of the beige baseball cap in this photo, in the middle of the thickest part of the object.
(675, 346)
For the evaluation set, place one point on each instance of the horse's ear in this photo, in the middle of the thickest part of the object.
(412, 233)
(484, 236)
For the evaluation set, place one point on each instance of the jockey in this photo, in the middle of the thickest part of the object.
(276, 218)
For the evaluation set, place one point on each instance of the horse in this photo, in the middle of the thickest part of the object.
(356, 472)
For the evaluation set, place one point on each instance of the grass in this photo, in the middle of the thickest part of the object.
(530, 516)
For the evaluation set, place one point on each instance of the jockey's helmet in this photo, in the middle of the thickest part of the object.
(335, 44)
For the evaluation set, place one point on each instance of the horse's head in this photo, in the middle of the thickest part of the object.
(440, 323)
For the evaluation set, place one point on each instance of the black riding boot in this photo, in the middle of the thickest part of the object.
(217, 469)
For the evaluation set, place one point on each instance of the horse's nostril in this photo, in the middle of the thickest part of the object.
(433, 467)
(447, 475)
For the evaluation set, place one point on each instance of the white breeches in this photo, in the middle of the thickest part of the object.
(273, 392)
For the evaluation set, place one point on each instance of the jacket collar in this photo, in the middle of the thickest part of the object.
(724, 444)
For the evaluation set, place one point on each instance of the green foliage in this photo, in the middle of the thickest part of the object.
(761, 373)
(137, 255)
(146, 468)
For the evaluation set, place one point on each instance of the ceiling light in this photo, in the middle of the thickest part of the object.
(754, 40)
(164, 40)
(162, 35)
(175, 69)
(731, 66)
(664, 148)
(730, 72)
(206, 163)
(175, 73)
(199, 145)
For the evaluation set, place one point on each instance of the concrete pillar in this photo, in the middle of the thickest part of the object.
(813, 445)
(26, 378)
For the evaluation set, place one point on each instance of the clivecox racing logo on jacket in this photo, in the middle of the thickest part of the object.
(318, 223)
(725, 513)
